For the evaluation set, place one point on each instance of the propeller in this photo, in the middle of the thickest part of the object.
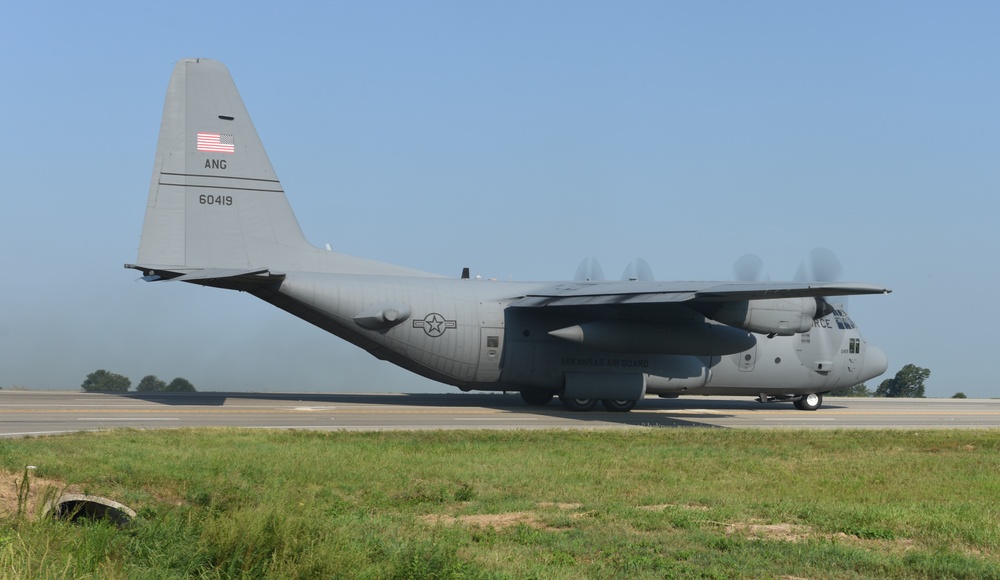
(748, 268)
(637, 270)
(821, 266)
(589, 270)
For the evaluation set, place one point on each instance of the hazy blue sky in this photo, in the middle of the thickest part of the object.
(515, 138)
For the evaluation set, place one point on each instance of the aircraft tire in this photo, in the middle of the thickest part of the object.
(579, 405)
(809, 402)
(618, 405)
(536, 397)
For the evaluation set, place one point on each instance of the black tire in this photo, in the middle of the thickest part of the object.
(618, 405)
(579, 405)
(536, 397)
(809, 402)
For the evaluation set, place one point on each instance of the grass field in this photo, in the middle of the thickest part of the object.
(480, 504)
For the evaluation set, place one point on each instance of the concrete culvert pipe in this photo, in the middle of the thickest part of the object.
(76, 506)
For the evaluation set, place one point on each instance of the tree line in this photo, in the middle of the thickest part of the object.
(908, 382)
(104, 381)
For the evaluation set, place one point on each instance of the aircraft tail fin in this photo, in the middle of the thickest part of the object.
(214, 200)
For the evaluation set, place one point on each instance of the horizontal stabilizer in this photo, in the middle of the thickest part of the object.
(218, 273)
(225, 277)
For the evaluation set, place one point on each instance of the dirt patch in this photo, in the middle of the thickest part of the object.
(801, 533)
(666, 506)
(39, 490)
(495, 521)
(778, 532)
(897, 546)
(562, 506)
(511, 519)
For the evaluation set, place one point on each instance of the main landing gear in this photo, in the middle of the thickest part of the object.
(809, 402)
(618, 406)
(540, 398)
(612, 405)
(578, 405)
(536, 397)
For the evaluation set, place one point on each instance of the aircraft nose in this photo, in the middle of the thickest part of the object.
(876, 362)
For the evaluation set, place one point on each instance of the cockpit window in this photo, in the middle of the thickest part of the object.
(844, 321)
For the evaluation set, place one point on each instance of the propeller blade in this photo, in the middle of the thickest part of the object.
(589, 270)
(638, 270)
(821, 266)
(748, 268)
(825, 265)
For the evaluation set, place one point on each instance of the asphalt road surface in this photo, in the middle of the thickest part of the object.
(26, 413)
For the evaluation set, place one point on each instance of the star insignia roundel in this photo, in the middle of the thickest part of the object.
(434, 324)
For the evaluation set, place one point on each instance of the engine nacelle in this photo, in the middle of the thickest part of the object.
(781, 316)
(684, 338)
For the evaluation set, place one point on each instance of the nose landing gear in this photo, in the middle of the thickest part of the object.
(808, 402)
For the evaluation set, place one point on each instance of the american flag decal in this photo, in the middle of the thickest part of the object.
(216, 143)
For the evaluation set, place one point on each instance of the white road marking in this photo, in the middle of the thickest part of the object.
(34, 433)
(496, 418)
(799, 419)
(74, 406)
(128, 418)
(291, 427)
(687, 411)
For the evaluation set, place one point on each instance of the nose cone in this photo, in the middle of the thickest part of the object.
(875, 362)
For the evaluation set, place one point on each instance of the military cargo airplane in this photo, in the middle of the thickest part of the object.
(217, 216)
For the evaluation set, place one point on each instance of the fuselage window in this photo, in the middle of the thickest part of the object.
(844, 321)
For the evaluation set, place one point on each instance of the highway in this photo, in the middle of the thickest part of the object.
(31, 413)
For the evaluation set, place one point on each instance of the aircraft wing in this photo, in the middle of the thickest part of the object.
(637, 292)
